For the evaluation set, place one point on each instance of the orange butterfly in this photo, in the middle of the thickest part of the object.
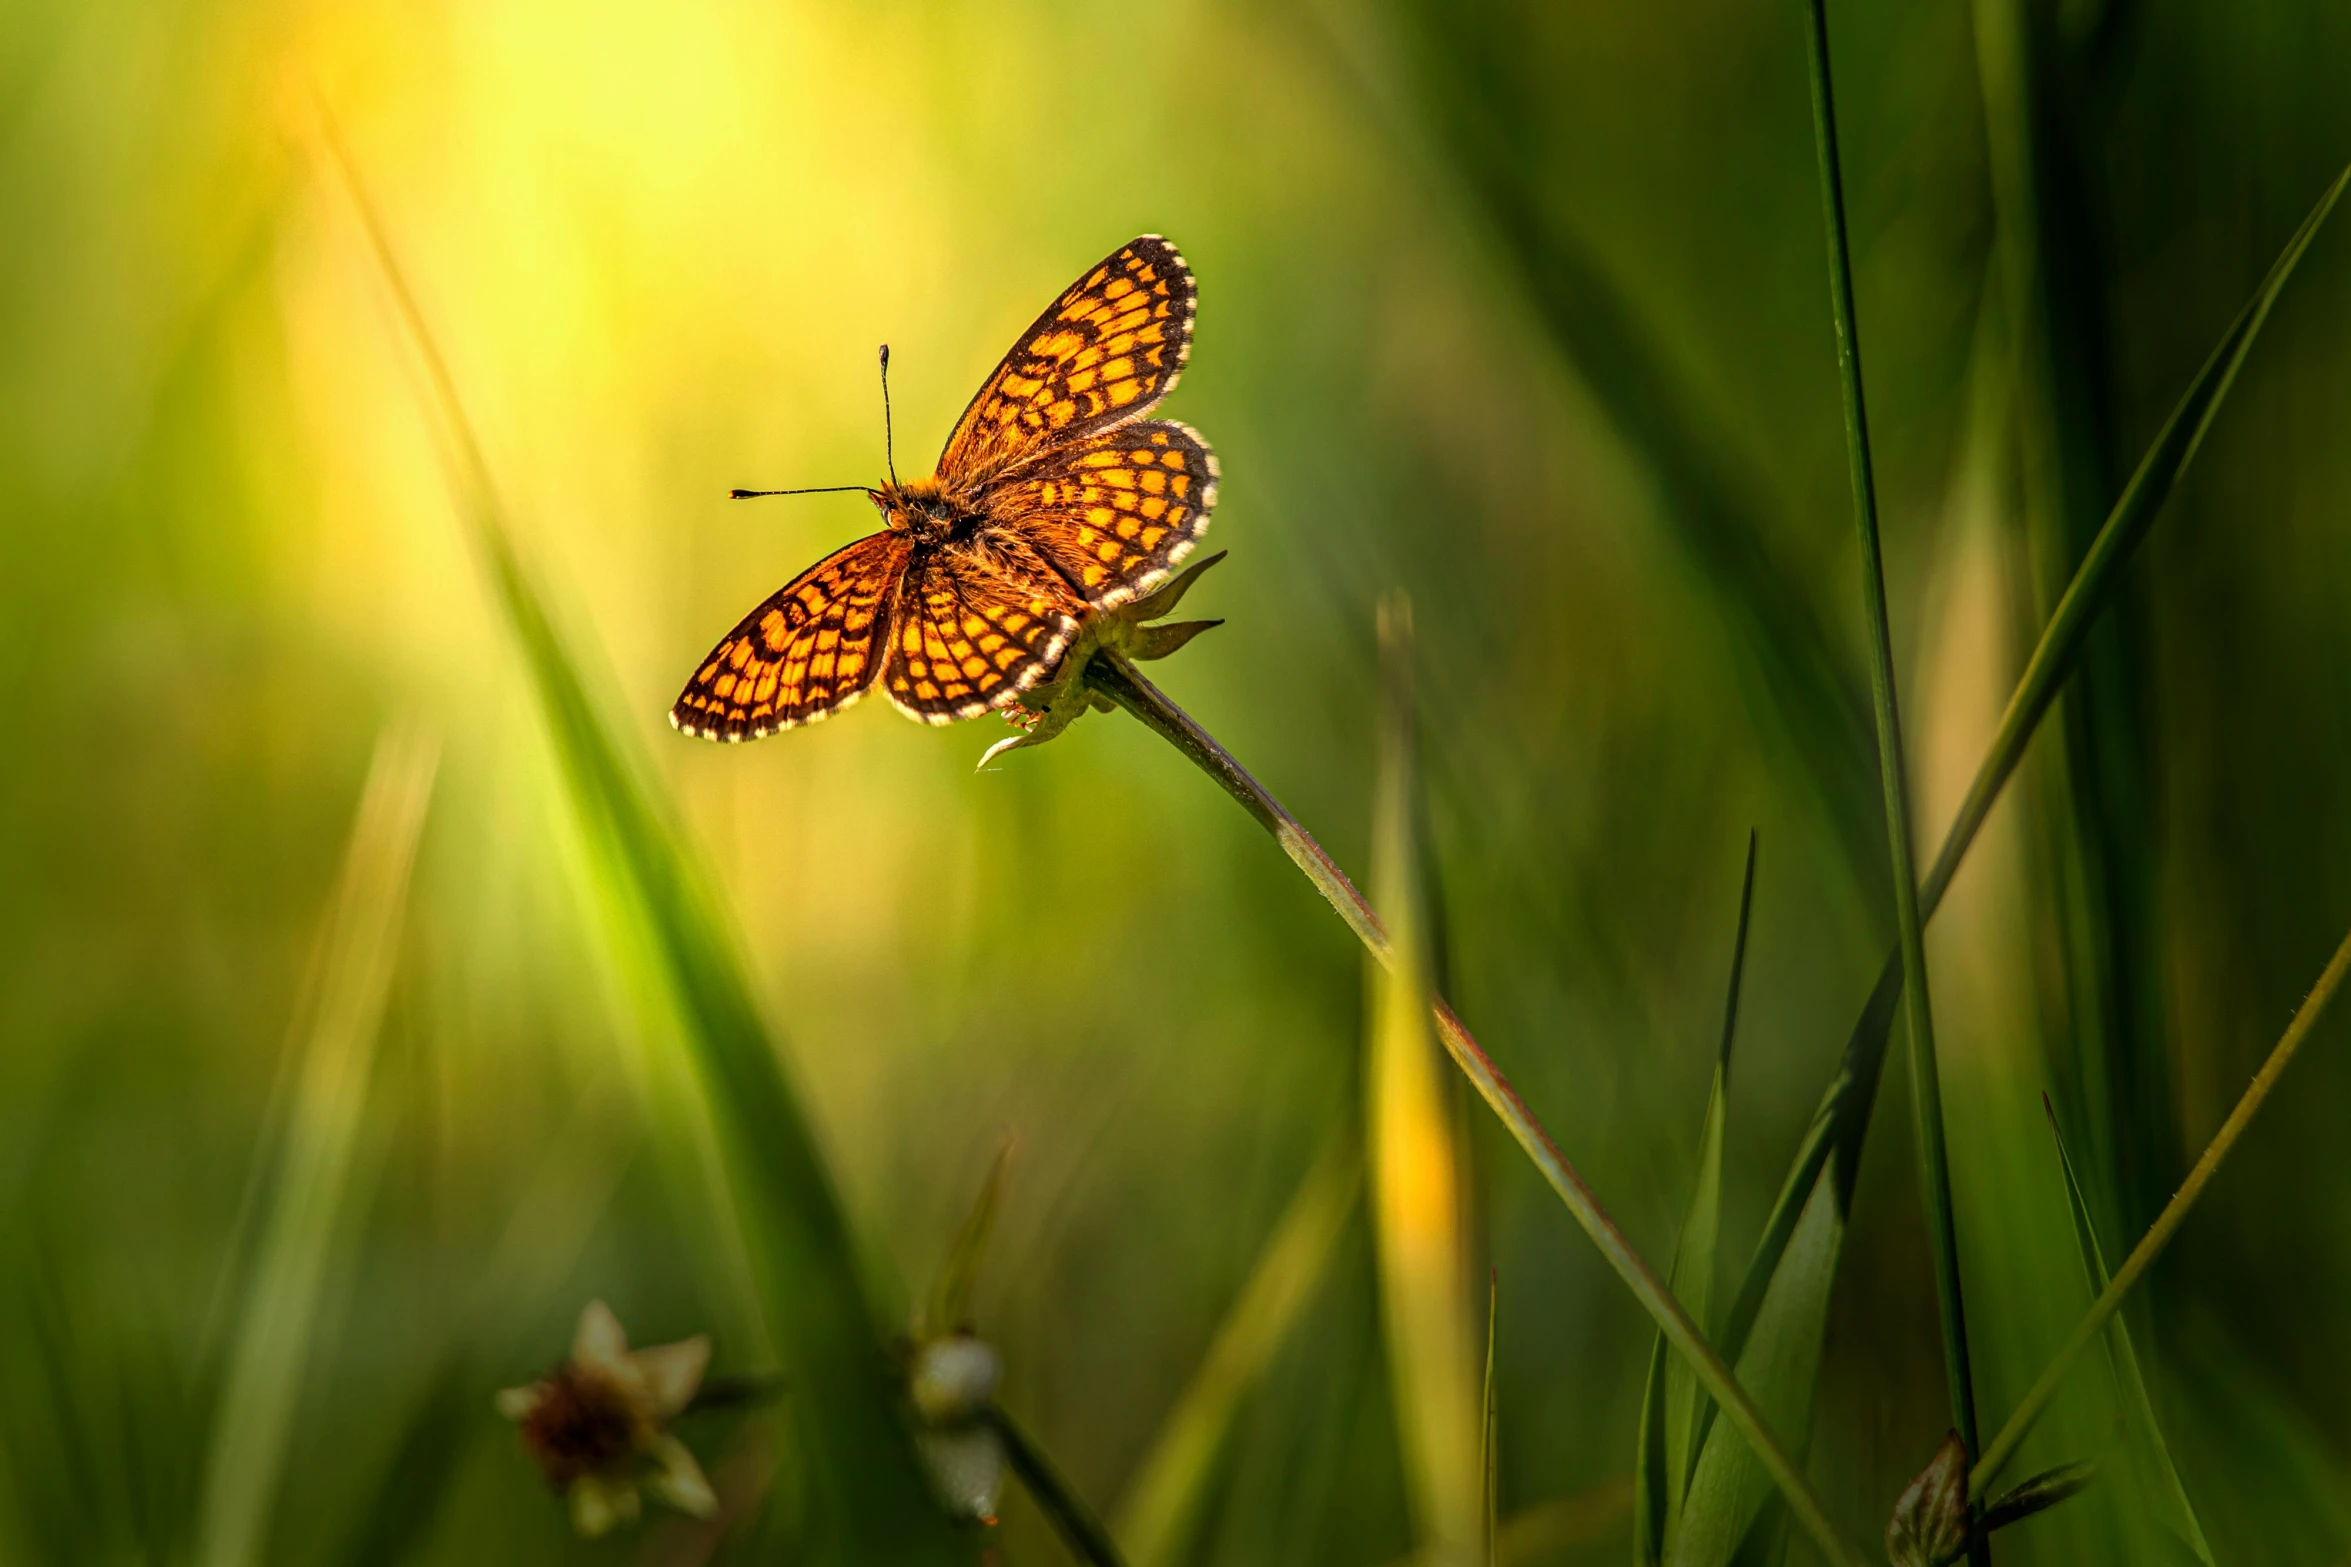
(1055, 497)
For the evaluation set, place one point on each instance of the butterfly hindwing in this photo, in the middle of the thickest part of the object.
(1116, 512)
(972, 636)
(809, 651)
(1102, 354)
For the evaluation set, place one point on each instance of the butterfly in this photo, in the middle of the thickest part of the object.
(1056, 497)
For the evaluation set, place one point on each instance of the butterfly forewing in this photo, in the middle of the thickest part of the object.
(1102, 354)
(808, 652)
(1115, 512)
(970, 638)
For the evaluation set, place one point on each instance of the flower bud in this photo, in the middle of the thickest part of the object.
(1929, 1526)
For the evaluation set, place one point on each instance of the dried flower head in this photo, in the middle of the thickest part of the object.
(598, 1424)
(1126, 632)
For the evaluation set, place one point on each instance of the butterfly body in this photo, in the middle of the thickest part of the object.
(1055, 498)
(927, 512)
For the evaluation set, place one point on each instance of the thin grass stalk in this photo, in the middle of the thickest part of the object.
(2166, 1225)
(1071, 1518)
(1926, 1084)
(1121, 683)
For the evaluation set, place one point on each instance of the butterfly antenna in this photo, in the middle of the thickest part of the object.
(889, 457)
(822, 489)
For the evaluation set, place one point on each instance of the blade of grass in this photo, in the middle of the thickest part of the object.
(1161, 1508)
(871, 1499)
(1842, 1119)
(1489, 1455)
(949, 1309)
(1119, 682)
(1925, 1081)
(2167, 1223)
(1673, 1403)
(2137, 1408)
(1417, 1166)
(306, 1208)
(1778, 1365)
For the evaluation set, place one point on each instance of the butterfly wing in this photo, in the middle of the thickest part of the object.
(974, 632)
(1101, 355)
(1114, 513)
(805, 654)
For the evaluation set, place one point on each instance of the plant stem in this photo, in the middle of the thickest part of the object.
(2166, 1224)
(1926, 1085)
(1072, 1519)
(1118, 680)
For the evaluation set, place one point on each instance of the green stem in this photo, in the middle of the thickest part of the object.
(2166, 1224)
(1926, 1085)
(1072, 1519)
(1119, 681)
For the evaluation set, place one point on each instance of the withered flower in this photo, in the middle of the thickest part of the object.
(598, 1424)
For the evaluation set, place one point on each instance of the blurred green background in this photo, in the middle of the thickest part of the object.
(1517, 307)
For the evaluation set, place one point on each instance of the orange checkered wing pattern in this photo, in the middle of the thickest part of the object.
(1115, 513)
(974, 634)
(805, 654)
(1101, 355)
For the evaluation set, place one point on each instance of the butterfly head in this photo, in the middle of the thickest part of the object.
(926, 510)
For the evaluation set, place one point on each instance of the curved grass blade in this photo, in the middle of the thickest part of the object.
(2138, 1410)
(1673, 1402)
(1161, 1509)
(1417, 1164)
(1842, 1119)
(869, 1499)
(307, 1210)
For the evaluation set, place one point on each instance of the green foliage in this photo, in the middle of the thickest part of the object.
(1673, 1404)
(2143, 1437)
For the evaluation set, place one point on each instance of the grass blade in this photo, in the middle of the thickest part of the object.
(1418, 1168)
(307, 1212)
(1674, 1404)
(2138, 1410)
(949, 1310)
(1778, 1367)
(2166, 1224)
(870, 1499)
(1842, 1119)
(1161, 1509)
